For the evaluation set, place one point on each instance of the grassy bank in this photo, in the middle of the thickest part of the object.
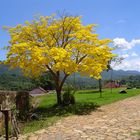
(86, 101)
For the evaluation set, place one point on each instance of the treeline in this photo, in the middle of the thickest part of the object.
(16, 82)
(132, 81)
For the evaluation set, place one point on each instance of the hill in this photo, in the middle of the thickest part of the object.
(85, 82)
(117, 74)
(14, 79)
(5, 69)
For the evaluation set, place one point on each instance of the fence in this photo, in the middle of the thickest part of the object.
(7, 100)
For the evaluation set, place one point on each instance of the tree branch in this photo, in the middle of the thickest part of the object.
(56, 39)
(52, 72)
(82, 58)
(63, 80)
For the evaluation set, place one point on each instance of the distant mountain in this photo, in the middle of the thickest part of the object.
(86, 82)
(75, 79)
(117, 74)
(5, 69)
(106, 75)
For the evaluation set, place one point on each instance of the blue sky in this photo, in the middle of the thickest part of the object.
(117, 19)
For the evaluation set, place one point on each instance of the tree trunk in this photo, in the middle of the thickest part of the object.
(111, 80)
(100, 87)
(59, 84)
(59, 99)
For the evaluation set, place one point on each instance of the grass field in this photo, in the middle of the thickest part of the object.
(86, 101)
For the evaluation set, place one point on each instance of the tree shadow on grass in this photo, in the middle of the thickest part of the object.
(76, 109)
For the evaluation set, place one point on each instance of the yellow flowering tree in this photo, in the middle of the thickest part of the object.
(58, 45)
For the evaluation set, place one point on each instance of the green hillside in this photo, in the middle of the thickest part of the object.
(13, 79)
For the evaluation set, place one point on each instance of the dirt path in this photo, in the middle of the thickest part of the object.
(117, 121)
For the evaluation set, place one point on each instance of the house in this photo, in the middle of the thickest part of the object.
(112, 84)
(37, 91)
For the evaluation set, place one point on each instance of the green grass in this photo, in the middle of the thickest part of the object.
(86, 101)
(108, 97)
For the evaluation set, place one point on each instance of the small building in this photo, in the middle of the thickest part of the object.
(112, 84)
(37, 91)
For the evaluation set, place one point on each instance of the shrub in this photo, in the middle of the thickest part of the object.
(68, 98)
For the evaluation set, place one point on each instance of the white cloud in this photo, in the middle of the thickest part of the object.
(135, 41)
(125, 49)
(134, 54)
(124, 56)
(122, 44)
(133, 64)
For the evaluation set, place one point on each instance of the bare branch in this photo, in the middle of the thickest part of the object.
(52, 72)
(63, 80)
(80, 60)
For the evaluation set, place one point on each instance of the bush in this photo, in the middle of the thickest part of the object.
(68, 98)
(68, 87)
